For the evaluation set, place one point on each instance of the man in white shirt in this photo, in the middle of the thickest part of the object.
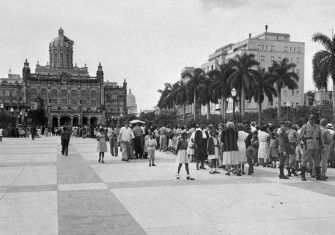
(1, 130)
(126, 136)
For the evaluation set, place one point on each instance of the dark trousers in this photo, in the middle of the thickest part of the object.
(281, 159)
(65, 147)
(114, 147)
(138, 146)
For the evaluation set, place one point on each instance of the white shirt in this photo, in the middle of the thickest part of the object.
(1, 131)
(126, 134)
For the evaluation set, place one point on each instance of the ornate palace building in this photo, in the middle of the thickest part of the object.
(68, 93)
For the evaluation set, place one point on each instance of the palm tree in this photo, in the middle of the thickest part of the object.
(165, 99)
(242, 79)
(324, 63)
(194, 78)
(284, 76)
(205, 93)
(181, 96)
(220, 87)
(263, 87)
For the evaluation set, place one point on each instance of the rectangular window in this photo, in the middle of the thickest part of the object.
(293, 48)
(262, 47)
(285, 49)
(299, 49)
(259, 47)
(211, 67)
(297, 92)
(262, 58)
(298, 60)
(266, 47)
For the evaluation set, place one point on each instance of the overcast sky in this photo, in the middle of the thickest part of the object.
(148, 42)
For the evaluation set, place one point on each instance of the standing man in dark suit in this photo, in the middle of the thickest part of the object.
(283, 148)
(65, 140)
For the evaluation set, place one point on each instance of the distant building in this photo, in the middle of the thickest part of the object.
(267, 47)
(67, 92)
(131, 103)
(313, 98)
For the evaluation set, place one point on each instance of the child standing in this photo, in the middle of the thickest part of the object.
(151, 145)
(213, 151)
(250, 153)
(181, 153)
(102, 146)
(273, 148)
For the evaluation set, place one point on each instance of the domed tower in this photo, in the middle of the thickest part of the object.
(61, 51)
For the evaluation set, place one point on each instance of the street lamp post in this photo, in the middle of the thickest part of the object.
(288, 104)
(12, 111)
(233, 94)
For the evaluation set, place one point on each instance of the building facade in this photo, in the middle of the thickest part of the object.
(67, 93)
(267, 47)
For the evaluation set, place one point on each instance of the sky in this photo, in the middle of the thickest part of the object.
(149, 42)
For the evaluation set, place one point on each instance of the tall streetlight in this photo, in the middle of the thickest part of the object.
(288, 104)
(12, 111)
(233, 94)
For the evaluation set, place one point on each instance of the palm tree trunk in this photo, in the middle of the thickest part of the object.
(333, 76)
(259, 113)
(279, 105)
(223, 108)
(208, 110)
(194, 104)
(184, 112)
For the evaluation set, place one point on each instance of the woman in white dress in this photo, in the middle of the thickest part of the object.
(264, 146)
(242, 136)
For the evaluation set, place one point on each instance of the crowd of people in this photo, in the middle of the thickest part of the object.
(230, 147)
(226, 148)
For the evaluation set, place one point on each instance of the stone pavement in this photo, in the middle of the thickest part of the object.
(43, 192)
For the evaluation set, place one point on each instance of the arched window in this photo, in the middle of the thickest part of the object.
(53, 97)
(74, 97)
(63, 98)
(94, 98)
(33, 95)
(44, 96)
(84, 98)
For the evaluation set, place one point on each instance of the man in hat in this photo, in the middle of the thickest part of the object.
(326, 139)
(283, 148)
(311, 135)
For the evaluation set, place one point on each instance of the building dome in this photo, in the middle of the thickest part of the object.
(61, 51)
(131, 100)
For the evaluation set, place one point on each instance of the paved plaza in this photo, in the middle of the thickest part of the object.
(43, 192)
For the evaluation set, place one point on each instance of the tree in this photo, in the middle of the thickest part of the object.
(181, 96)
(284, 76)
(220, 87)
(324, 63)
(263, 87)
(205, 93)
(194, 78)
(242, 79)
(165, 99)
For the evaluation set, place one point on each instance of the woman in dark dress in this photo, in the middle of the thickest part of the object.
(200, 147)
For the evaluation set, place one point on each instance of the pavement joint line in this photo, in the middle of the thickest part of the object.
(12, 183)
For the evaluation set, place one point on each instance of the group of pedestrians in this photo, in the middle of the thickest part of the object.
(228, 146)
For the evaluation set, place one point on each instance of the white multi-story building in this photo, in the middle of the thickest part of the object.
(267, 47)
